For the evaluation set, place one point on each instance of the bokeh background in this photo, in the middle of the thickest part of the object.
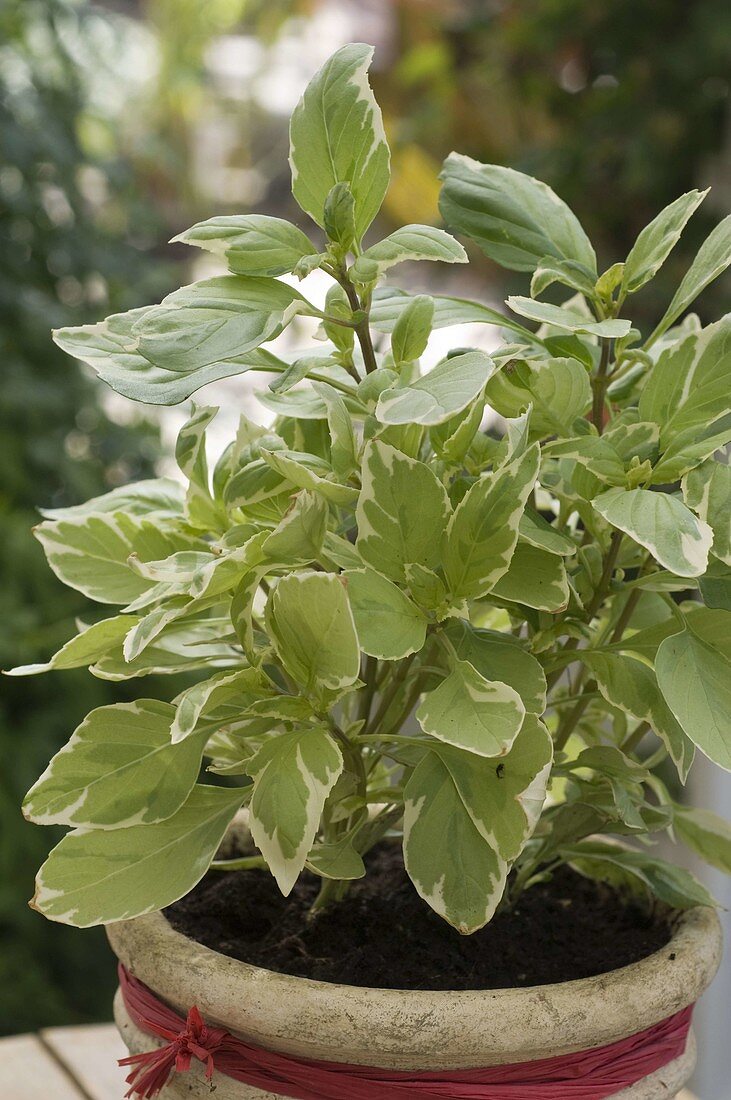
(122, 123)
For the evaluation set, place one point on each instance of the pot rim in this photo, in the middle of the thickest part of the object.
(400, 1028)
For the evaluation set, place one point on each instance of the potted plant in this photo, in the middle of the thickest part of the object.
(496, 652)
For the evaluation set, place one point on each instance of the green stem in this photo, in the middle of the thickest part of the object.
(369, 690)
(392, 739)
(331, 890)
(556, 703)
(316, 377)
(569, 724)
(610, 562)
(362, 329)
(573, 717)
(352, 755)
(390, 694)
(633, 739)
(596, 601)
(627, 612)
(244, 863)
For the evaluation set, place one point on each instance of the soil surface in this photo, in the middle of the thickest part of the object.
(383, 935)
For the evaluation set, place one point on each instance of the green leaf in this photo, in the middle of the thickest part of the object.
(251, 244)
(343, 444)
(181, 647)
(623, 866)
(691, 447)
(466, 817)
(342, 552)
(426, 587)
(178, 569)
(558, 389)
(535, 578)
(85, 649)
(310, 623)
(240, 689)
(242, 611)
(715, 585)
(470, 712)
(99, 876)
(413, 242)
(389, 303)
(706, 834)
(145, 630)
(91, 553)
(401, 513)
(293, 774)
(338, 860)
(500, 657)
(568, 272)
(657, 240)
(339, 216)
(297, 370)
(713, 257)
(452, 867)
(632, 687)
(482, 534)
(111, 348)
(609, 280)
(452, 439)
(298, 469)
(566, 318)
(201, 511)
(412, 329)
(516, 220)
(712, 626)
(118, 770)
(159, 496)
(695, 680)
(337, 136)
(447, 389)
(299, 536)
(389, 625)
(707, 490)
(537, 531)
(211, 321)
(688, 385)
(662, 524)
(632, 438)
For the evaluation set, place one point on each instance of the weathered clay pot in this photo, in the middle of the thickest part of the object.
(403, 1029)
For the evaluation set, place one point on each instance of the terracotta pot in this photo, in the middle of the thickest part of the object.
(405, 1029)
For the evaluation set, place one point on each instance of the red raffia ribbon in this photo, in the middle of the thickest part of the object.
(587, 1075)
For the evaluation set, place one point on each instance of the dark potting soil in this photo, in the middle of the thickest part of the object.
(383, 935)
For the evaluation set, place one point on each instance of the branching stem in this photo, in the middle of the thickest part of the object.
(362, 328)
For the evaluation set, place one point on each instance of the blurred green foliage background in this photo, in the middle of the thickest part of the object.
(123, 123)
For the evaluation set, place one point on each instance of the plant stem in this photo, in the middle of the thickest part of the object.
(389, 696)
(352, 755)
(596, 601)
(369, 690)
(573, 717)
(570, 722)
(243, 863)
(362, 329)
(572, 699)
(610, 562)
(317, 377)
(331, 890)
(627, 612)
(633, 739)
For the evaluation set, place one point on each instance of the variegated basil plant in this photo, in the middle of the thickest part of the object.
(395, 621)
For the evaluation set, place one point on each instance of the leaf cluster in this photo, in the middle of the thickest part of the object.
(544, 603)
